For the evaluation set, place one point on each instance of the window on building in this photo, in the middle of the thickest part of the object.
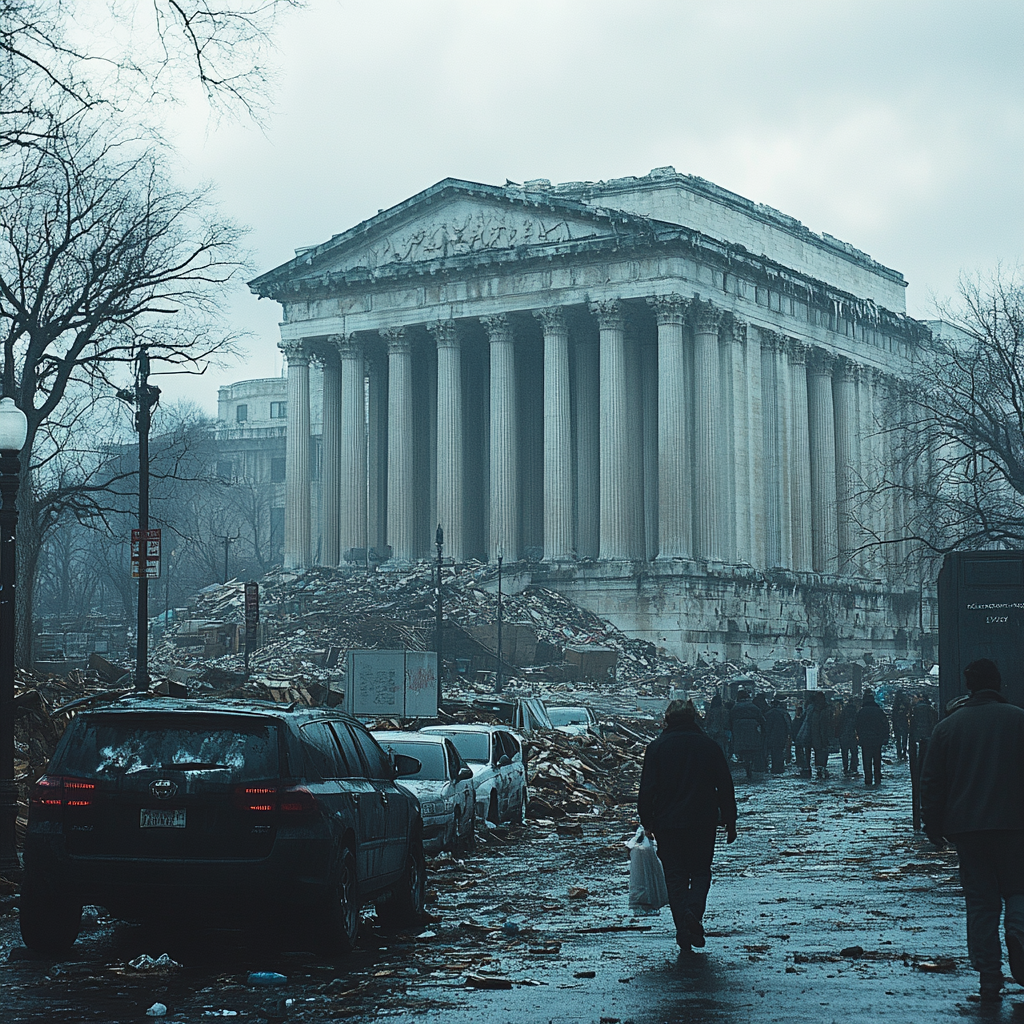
(278, 410)
(224, 468)
(241, 413)
(277, 471)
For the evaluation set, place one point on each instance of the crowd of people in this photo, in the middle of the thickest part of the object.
(764, 737)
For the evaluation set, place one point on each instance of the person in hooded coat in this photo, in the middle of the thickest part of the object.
(901, 723)
(715, 722)
(848, 737)
(686, 792)
(820, 733)
(777, 727)
(872, 734)
(748, 733)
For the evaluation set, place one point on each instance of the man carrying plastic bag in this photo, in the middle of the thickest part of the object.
(686, 792)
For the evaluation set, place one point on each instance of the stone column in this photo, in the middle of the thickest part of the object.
(557, 437)
(708, 492)
(821, 417)
(377, 455)
(675, 513)
(504, 484)
(649, 442)
(800, 479)
(757, 449)
(588, 460)
(616, 540)
(353, 447)
(401, 504)
(844, 402)
(784, 462)
(635, 440)
(869, 504)
(772, 486)
(450, 458)
(332, 440)
(736, 341)
(297, 483)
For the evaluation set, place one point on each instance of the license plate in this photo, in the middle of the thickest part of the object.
(162, 818)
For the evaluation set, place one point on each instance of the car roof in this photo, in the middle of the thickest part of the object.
(465, 728)
(189, 705)
(569, 707)
(412, 737)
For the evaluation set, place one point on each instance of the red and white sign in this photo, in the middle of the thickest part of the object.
(146, 557)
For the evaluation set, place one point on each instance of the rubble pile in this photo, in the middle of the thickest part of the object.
(583, 775)
(311, 617)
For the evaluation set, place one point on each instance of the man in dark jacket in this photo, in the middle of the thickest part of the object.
(820, 732)
(686, 791)
(748, 733)
(972, 793)
(901, 723)
(848, 737)
(873, 734)
(776, 735)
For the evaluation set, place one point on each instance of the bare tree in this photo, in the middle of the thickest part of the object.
(964, 434)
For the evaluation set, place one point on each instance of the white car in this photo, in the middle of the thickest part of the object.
(574, 720)
(443, 785)
(495, 754)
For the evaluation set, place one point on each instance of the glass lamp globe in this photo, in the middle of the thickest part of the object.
(13, 426)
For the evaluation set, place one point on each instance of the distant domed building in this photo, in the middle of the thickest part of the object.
(677, 403)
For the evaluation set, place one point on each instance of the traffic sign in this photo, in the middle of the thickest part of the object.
(146, 556)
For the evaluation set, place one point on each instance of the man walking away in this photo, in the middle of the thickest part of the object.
(776, 732)
(820, 733)
(686, 791)
(873, 734)
(901, 723)
(923, 718)
(715, 722)
(972, 793)
(848, 737)
(747, 733)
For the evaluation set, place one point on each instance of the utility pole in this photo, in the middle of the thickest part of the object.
(144, 397)
(497, 678)
(228, 540)
(439, 541)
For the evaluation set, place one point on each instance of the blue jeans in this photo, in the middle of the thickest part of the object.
(991, 873)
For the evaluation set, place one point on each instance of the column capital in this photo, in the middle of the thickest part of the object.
(821, 362)
(553, 320)
(796, 350)
(669, 309)
(295, 352)
(610, 314)
(772, 340)
(705, 317)
(739, 330)
(349, 348)
(445, 333)
(844, 369)
(499, 328)
(397, 338)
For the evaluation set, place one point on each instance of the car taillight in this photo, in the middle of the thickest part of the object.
(53, 793)
(267, 800)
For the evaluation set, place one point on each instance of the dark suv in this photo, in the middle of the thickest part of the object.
(183, 811)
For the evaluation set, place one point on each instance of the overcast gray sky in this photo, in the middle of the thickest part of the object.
(897, 126)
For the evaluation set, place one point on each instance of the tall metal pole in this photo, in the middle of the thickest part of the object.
(498, 683)
(439, 541)
(144, 402)
(10, 477)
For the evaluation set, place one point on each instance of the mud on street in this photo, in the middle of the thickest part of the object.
(828, 908)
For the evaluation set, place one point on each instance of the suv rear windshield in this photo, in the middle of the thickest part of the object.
(473, 746)
(429, 755)
(237, 748)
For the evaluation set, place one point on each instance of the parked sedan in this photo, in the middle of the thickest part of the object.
(443, 786)
(495, 754)
(574, 720)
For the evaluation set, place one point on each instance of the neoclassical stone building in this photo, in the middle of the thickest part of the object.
(634, 380)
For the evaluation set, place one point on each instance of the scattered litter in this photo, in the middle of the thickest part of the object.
(157, 1010)
(577, 892)
(146, 963)
(266, 978)
(487, 981)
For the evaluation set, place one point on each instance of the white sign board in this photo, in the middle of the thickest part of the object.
(391, 684)
(811, 672)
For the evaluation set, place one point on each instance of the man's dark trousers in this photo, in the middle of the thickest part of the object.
(849, 752)
(777, 753)
(872, 758)
(991, 870)
(686, 857)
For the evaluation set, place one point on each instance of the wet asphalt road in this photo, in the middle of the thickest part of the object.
(818, 868)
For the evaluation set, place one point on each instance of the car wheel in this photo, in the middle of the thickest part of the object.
(342, 925)
(50, 920)
(405, 906)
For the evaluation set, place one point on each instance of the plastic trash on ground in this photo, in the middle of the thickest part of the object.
(647, 890)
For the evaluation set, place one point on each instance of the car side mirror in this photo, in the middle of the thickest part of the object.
(406, 765)
(504, 760)
(465, 774)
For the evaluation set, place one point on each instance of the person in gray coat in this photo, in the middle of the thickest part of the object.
(873, 734)
(972, 793)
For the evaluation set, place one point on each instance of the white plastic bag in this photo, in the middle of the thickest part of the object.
(647, 889)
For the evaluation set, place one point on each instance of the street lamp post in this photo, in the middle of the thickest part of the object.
(13, 431)
(439, 541)
(497, 678)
